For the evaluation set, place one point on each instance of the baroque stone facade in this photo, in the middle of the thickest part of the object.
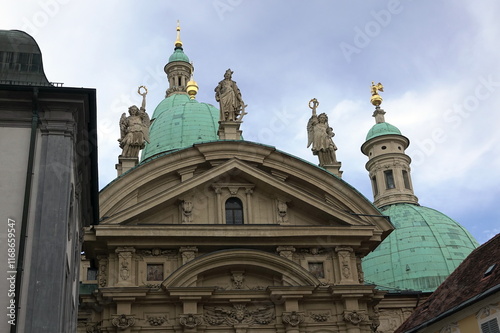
(159, 269)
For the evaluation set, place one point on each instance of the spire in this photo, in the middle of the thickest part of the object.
(178, 68)
(178, 42)
(388, 165)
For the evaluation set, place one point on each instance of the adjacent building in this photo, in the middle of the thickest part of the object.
(48, 181)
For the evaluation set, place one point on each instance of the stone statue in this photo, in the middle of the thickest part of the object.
(134, 129)
(320, 135)
(228, 95)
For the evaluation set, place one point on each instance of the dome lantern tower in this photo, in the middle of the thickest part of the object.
(178, 68)
(388, 165)
(426, 245)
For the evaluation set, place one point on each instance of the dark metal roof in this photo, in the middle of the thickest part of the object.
(20, 60)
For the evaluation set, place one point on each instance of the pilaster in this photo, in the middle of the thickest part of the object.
(126, 270)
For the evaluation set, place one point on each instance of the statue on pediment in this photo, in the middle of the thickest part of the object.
(228, 95)
(134, 129)
(320, 136)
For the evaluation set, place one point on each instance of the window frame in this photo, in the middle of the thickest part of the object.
(232, 210)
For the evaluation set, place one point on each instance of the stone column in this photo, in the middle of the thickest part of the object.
(126, 271)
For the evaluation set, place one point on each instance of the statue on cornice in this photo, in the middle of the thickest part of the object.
(320, 135)
(134, 129)
(228, 95)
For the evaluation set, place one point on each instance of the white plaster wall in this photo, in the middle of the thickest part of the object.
(14, 149)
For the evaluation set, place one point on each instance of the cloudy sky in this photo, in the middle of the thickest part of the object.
(438, 61)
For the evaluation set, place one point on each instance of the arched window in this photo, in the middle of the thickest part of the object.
(234, 211)
(389, 179)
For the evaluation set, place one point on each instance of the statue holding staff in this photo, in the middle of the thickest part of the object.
(320, 136)
(134, 129)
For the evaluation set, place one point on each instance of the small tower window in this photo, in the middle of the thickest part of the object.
(389, 179)
(374, 185)
(234, 211)
(406, 180)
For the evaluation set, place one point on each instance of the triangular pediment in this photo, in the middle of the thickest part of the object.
(237, 178)
(279, 195)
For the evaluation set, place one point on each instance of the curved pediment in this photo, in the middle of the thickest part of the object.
(262, 266)
(274, 187)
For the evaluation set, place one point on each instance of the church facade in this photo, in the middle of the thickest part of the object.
(211, 233)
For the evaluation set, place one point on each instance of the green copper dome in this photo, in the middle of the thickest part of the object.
(382, 129)
(179, 122)
(178, 55)
(420, 253)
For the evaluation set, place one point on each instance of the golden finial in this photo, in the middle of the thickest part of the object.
(178, 42)
(192, 86)
(376, 99)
